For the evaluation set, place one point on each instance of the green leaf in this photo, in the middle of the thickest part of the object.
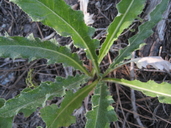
(150, 88)
(30, 100)
(27, 112)
(56, 117)
(39, 127)
(145, 30)
(2, 101)
(58, 15)
(102, 113)
(6, 122)
(127, 12)
(16, 47)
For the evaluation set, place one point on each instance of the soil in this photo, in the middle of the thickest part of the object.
(150, 113)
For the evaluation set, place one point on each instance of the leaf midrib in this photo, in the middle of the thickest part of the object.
(114, 33)
(125, 51)
(90, 86)
(99, 105)
(140, 88)
(40, 98)
(88, 49)
(51, 51)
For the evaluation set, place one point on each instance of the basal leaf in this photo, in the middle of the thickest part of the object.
(55, 117)
(145, 30)
(67, 22)
(127, 12)
(150, 88)
(16, 47)
(30, 100)
(102, 113)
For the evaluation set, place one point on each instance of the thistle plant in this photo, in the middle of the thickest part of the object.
(67, 22)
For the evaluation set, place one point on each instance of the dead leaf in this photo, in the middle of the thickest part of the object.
(88, 19)
(156, 61)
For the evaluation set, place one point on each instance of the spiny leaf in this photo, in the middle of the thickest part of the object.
(67, 22)
(127, 12)
(38, 96)
(150, 88)
(102, 113)
(145, 30)
(16, 47)
(56, 117)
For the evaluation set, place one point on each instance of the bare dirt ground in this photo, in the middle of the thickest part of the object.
(149, 112)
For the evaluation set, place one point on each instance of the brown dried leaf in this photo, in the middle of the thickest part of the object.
(87, 17)
(156, 61)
